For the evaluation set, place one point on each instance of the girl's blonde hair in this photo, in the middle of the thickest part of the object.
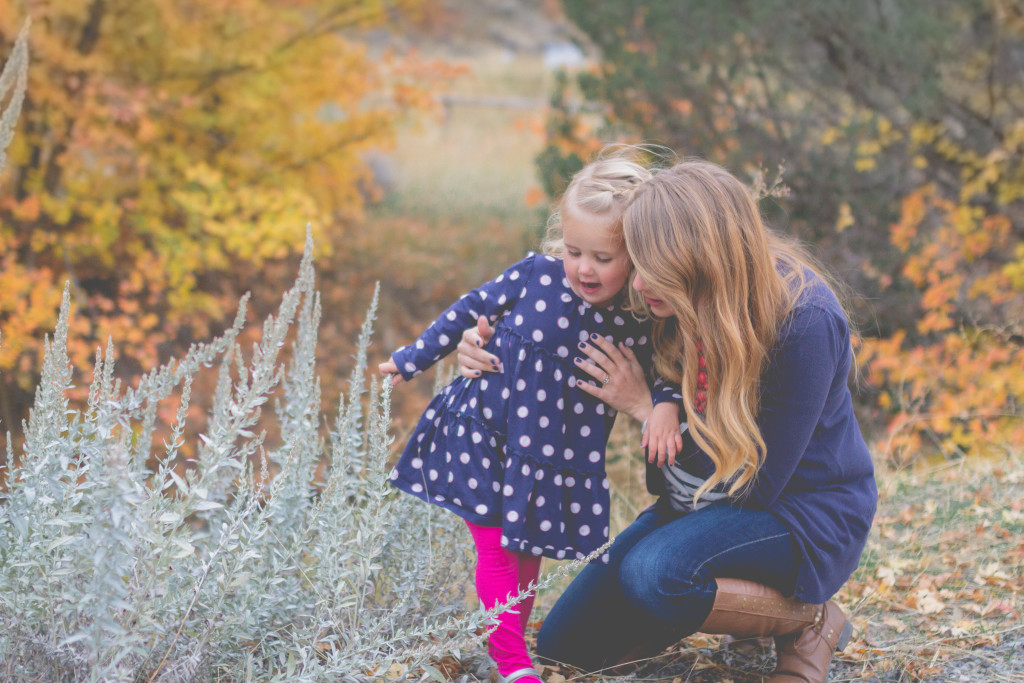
(697, 239)
(602, 188)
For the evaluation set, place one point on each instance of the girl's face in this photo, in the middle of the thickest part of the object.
(659, 307)
(595, 258)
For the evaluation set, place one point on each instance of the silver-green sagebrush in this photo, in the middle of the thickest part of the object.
(237, 563)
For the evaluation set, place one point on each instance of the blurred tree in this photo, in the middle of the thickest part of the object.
(900, 126)
(169, 149)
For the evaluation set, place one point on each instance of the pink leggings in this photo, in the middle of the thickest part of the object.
(501, 573)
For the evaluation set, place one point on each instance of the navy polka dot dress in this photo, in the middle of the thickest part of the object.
(524, 449)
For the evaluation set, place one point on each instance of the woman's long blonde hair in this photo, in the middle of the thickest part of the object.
(698, 241)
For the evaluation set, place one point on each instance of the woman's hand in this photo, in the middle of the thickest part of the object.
(620, 379)
(473, 360)
(389, 369)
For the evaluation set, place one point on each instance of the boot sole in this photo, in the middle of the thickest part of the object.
(844, 636)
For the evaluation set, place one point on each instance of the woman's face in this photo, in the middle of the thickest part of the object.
(595, 259)
(659, 306)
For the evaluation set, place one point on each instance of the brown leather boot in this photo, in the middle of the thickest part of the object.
(805, 635)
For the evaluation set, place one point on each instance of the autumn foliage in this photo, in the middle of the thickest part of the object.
(901, 130)
(169, 152)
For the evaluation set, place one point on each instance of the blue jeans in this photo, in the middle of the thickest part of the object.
(659, 584)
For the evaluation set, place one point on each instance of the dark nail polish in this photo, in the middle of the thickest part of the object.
(477, 373)
(593, 335)
(583, 345)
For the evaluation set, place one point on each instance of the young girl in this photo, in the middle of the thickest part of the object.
(519, 454)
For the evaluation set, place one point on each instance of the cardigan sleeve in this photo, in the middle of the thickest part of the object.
(443, 335)
(811, 357)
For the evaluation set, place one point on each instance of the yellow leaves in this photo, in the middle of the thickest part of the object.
(845, 218)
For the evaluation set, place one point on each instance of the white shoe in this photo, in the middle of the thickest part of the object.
(519, 673)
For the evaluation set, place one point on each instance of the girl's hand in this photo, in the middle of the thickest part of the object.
(473, 360)
(389, 369)
(620, 379)
(662, 437)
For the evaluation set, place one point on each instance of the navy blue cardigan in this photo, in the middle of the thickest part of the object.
(817, 476)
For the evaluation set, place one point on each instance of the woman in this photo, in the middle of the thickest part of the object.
(765, 511)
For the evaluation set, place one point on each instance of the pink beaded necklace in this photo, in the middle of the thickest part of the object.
(700, 399)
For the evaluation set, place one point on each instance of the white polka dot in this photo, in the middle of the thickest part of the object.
(578, 408)
(525, 470)
(570, 481)
(520, 385)
(560, 554)
(587, 484)
(540, 501)
(543, 421)
(584, 530)
(472, 483)
(418, 488)
(535, 550)
(585, 430)
(619, 320)
(514, 275)
(563, 322)
(548, 450)
(562, 351)
(429, 414)
(420, 344)
(483, 385)
(443, 340)
(642, 341)
(394, 475)
(522, 412)
(433, 475)
(558, 378)
(485, 463)
(538, 366)
(477, 437)
(583, 335)
(597, 508)
(575, 508)
(462, 430)
(629, 341)
(524, 441)
(572, 382)
(522, 354)
(540, 305)
(496, 486)
(513, 516)
(451, 315)
(538, 336)
(541, 394)
(519, 320)
(545, 525)
(409, 367)
(464, 458)
(539, 474)
(505, 393)
(600, 409)
(558, 480)
(605, 484)
(545, 280)
(502, 299)
(566, 297)
(568, 454)
(488, 413)
(416, 463)
(481, 509)
(598, 317)
(594, 456)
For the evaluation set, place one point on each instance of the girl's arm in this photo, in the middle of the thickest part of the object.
(441, 337)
